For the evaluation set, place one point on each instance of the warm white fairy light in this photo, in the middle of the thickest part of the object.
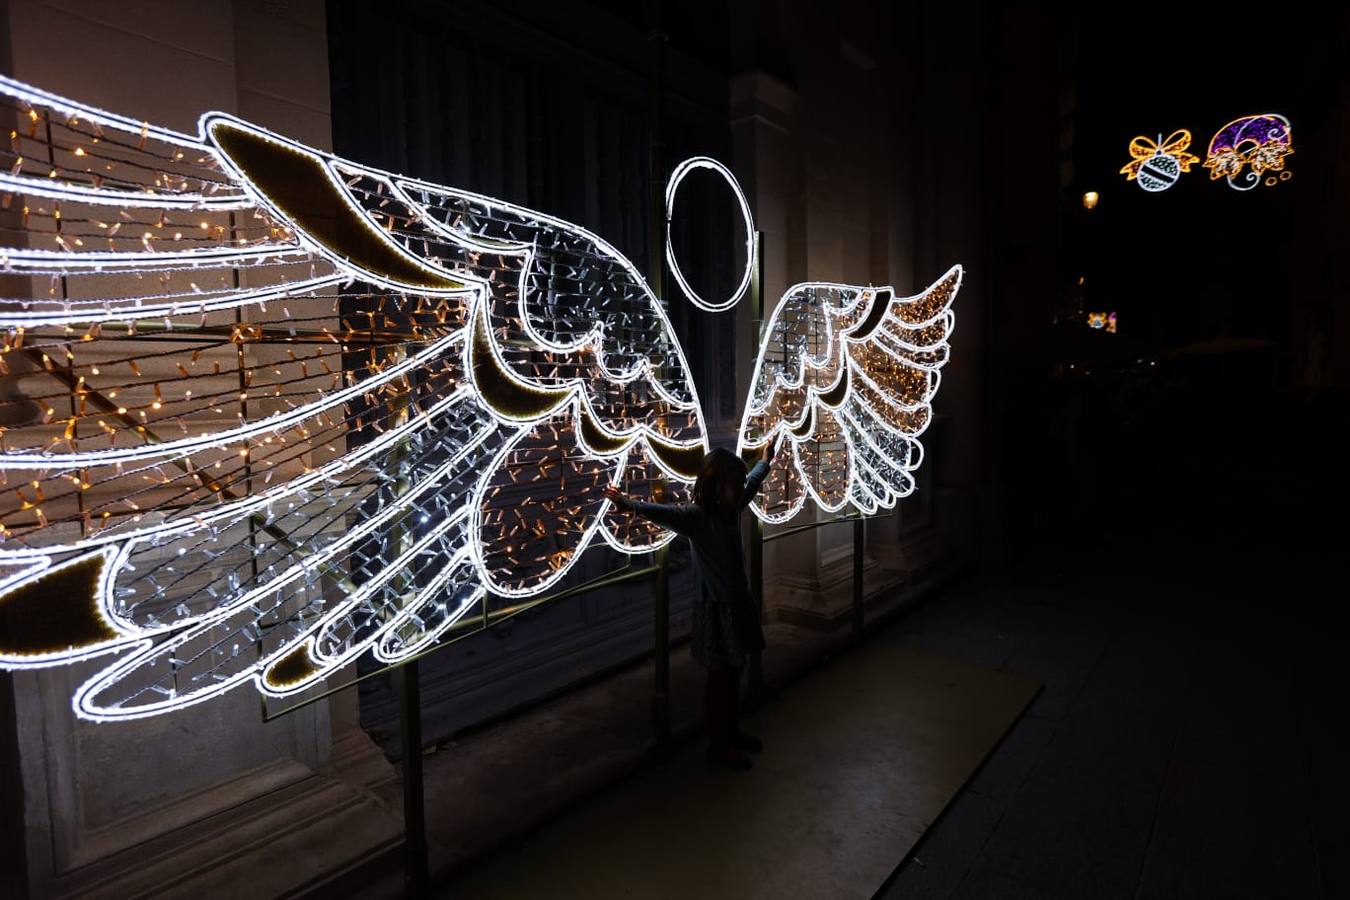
(40, 559)
(225, 437)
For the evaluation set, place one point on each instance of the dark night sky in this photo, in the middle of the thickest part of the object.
(1200, 259)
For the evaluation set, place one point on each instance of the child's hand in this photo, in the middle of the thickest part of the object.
(771, 448)
(618, 498)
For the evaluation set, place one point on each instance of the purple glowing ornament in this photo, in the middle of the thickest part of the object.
(1257, 144)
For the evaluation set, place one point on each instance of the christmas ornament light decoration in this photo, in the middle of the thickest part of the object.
(1156, 166)
(1102, 321)
(265, 410)
(846, 376)
(1258, 144)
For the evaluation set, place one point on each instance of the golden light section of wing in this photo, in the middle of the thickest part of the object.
(847, 375)
(301, 187)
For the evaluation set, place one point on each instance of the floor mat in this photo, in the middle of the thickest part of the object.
(861, 757)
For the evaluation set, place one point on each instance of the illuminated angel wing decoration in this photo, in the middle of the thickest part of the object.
(265, 410)
(846, 376)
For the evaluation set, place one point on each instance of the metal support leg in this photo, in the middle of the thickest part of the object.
(756, 676)
(415, 866)
(858, 532)
(661, 648)
(656, 278)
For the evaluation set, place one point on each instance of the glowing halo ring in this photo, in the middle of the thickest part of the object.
(672, 188)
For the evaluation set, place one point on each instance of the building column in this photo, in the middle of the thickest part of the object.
(210, 800)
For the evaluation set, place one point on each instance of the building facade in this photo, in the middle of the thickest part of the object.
(854, 133)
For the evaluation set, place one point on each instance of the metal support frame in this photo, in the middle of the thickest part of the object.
(416, 854)
(857, 618)
(859, 536)
(656, 279)
(755, 687)
(661, 651)
(416, 849)
(416, 863)
(473, 626)
(811, 526)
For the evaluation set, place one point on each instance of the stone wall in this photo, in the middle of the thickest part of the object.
(210, 800)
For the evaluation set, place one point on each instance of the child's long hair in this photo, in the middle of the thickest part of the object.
(721, 475)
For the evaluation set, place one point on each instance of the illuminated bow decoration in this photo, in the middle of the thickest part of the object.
(1143, 149)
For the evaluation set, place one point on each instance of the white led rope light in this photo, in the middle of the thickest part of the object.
(672, 189)
(237, 509)
(47, 261)
(45, 187)
(592, 341)
(116, 558)
(76, 314)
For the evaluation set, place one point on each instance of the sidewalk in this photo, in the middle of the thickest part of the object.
(488, 787)
(861, 756)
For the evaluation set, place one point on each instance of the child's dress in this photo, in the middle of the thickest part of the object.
(725, 624)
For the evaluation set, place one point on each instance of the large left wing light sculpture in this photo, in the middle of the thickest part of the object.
(264, 410)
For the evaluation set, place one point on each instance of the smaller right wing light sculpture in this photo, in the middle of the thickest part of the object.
(846, 376)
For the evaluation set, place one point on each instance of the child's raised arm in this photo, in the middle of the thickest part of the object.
(757, 475)
(677, 517)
